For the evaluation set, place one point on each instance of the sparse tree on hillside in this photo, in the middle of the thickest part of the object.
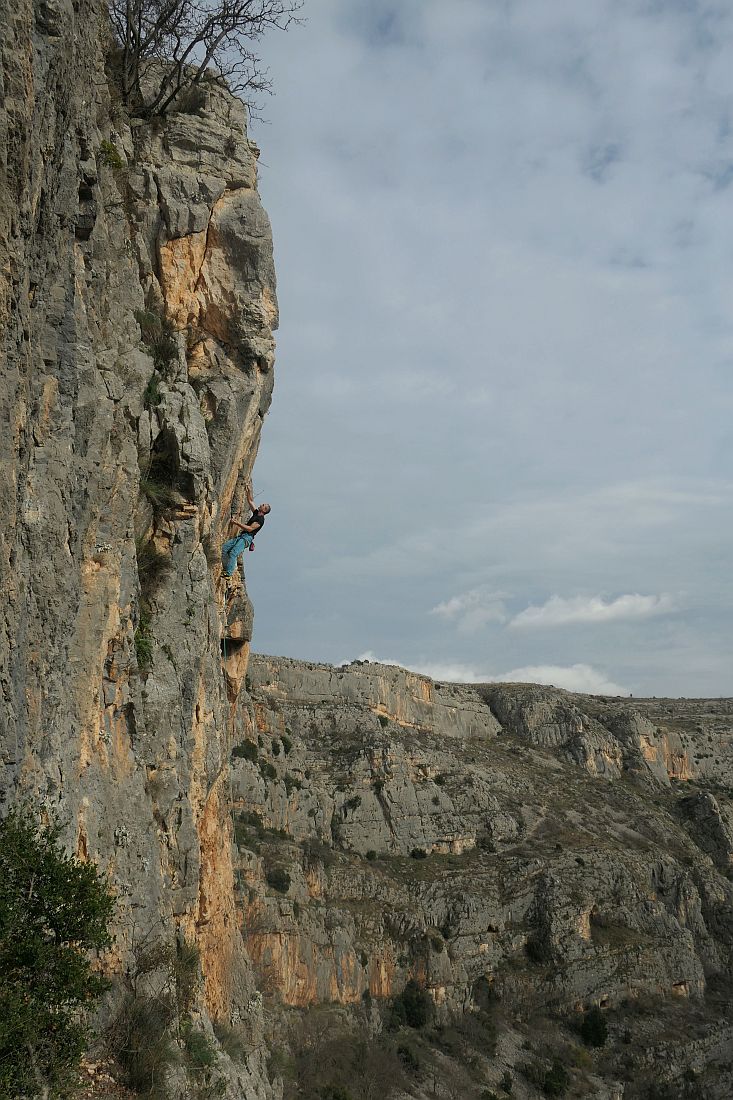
(169, 47)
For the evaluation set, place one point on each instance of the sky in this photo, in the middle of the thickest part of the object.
(500, 441)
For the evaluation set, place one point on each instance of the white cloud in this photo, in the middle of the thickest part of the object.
(582, 678)
(473, 609)
(579, 677)
(558, 611)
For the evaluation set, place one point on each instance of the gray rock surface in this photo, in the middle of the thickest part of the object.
(136, 359)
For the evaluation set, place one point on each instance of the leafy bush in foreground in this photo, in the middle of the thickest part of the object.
(54, 910)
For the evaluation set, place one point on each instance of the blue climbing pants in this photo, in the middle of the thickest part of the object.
(231, 550)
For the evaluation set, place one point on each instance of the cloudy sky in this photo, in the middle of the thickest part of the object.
(500, 444)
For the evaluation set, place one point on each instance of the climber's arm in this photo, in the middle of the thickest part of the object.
(249, 528)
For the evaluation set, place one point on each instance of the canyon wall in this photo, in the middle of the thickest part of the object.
(543, 850)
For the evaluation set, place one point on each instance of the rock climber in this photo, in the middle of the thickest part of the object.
(244, 539)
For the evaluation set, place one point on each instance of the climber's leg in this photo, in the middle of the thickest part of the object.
(231, 550)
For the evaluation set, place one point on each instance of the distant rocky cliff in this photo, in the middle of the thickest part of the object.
(319, 837)
(542, 850)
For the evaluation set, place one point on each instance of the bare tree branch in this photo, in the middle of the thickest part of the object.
(167, 47)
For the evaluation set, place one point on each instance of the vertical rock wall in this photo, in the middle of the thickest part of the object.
(136, 358)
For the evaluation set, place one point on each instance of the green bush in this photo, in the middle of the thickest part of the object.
(158, 336)
(412, 1006)
(185, 966)
(246, 751)
(267, 770)
(409, 1059)
(538, 951)
(231, 1041)
(279, 879)
(162, 983)
(507, 1085)
(383, 721)
(556, 1080)
(109, 155)
(54, 911)
(199, 1050)
(418, 853)
(160, 494)
(141, 1041)
(287, 744)
(317, 851)
(593, 1028)
(153, 566)
(291, 783)
(143, 643)
(152, 394)
(371, 854)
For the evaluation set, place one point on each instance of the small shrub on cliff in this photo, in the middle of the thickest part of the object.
(159, 494)
(142, 1043)
(317, 851)
(152, 565)
(279, 879)
(160, 989)
(185, 970)
(412, 1007)
(158, 336)
(538, 950)
(109, 155)
(199, 1050)
(231, 1041)
(556, 1080)
(152, 394)
(246, 751)
(409, 1059)
(54, 911)
(144, 643)
(267, 770)
(593, 1028)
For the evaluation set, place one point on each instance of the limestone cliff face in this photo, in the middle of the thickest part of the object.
(135, 371)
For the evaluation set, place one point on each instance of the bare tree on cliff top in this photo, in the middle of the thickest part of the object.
(168, 47)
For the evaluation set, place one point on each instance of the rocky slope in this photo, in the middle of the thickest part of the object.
(305, 840)
(542, 850)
